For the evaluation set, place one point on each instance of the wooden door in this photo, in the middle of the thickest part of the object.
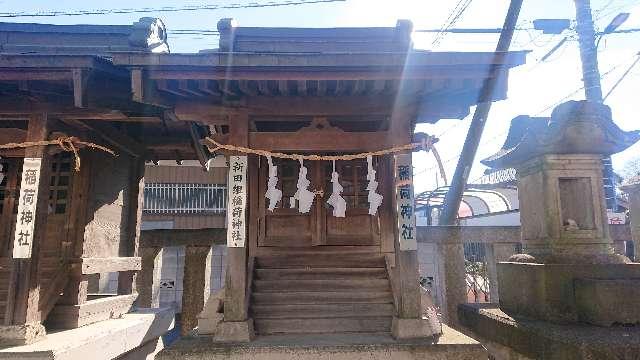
(357, 227)
(286, 226)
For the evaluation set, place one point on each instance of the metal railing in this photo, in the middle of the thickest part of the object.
(175, 198)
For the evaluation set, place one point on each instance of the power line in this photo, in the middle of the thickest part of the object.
(622, 77)
(453, 17)
(577, 90)
(54, 13)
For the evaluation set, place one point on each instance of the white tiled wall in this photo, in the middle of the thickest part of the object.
(172, 274)
(218, 267)
(427, 265)
(171, 277)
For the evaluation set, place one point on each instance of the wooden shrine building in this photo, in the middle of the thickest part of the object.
(296, 91)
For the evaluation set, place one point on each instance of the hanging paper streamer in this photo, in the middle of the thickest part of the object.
(303, 195)
(336, 200)
(375, 199)
(273, 194)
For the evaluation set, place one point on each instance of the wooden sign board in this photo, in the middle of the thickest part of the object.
(27, 205)
(405, 205)
(237, 201)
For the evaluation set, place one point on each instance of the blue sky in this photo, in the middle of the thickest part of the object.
(532, 88)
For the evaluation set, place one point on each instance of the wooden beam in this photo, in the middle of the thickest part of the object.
(370, 73)
(183, 237)
(320, 106)
(137, 85)
(249, 88)
(42, 75)
(144, 91)
(110, 264)
(283, 87)
(302, 87)
(263, 86)
(316, 141)
(205, 86)
(117, 138)
(183, 85)
(80, 88)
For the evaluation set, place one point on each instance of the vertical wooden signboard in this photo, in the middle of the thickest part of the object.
(405, 207)
(27, 202)
(237, 203)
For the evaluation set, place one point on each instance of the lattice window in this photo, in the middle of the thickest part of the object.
(60, 183)
(353, 178)
(172, 198)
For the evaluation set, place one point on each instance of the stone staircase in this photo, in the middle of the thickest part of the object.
(321, 292)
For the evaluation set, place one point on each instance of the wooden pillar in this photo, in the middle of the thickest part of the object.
(134, 196)
(236, 325)
(495, 253)
(236, 274)
(148, 281)
(195, 285)
(24, 288)
(406, 258)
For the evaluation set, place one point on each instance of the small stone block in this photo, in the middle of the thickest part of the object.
(235, 331)
(208, 325)
(17, 335)
(403, 329)
(608, 302)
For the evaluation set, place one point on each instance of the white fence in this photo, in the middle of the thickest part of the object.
(170, 198)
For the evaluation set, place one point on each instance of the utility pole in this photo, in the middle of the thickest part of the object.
(461, 176)
(592, 87)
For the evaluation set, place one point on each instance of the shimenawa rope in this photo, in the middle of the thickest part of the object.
(426, 145)
(66, 144)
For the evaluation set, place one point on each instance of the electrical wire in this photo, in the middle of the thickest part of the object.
(53, 13)
(451, 20)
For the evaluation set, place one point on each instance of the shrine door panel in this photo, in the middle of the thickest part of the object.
(357, 227)
(286, 226)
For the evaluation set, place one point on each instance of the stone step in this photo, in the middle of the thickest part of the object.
(325, 311)
(323, 325)
(320, 273)
(320, 261)
(321, 285)
(326, 297)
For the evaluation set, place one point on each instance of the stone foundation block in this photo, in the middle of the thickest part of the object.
(547, 291)
(404, 329)
(209, 324)
(235, 331)
(608, 302)
(17, 335)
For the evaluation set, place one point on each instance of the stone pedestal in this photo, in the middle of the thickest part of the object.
(562, 210)
(235, 331)
(405, 329)
(632, 187)
(17, 335)
(551, 292)
(212, 314)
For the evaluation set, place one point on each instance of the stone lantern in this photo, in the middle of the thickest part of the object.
(568, 272)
